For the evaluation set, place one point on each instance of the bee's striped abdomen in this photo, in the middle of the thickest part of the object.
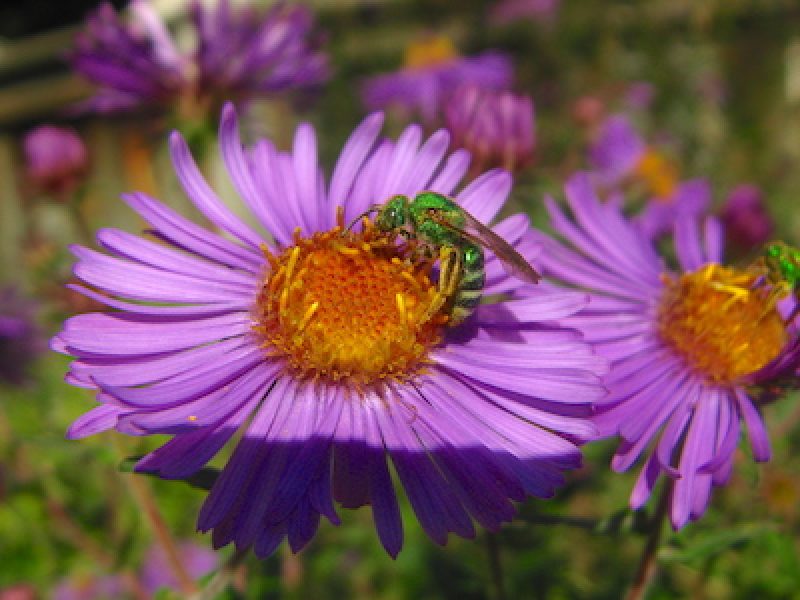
(470, 288)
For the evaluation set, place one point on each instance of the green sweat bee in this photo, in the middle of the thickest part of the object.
(442, 227)
(782, 266)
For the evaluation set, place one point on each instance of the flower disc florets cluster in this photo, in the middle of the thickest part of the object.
(721, 324)
(351, 307)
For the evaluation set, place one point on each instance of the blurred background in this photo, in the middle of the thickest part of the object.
(712, 90)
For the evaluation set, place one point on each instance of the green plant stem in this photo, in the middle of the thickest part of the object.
(495, 567)
(143, 496)
(76, 210)
(648, 562)
(222, 579)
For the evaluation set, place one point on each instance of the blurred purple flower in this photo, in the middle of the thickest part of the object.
(508, 11)
(21, 340)
(620, 156)
(616, 151)
(56, 160)
(747, 222)
(685, 348)
(432, 71)
(497, 128)
(690, 198)
(89, 588)
(156, 572)
(326, 349)
(241, 53)
(640, 95)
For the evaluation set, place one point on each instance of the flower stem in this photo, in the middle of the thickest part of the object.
(648, 562)
(222, 579)
(495, 567)
(144, 498)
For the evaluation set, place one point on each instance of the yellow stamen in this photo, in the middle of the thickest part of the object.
(724, 326)
(349, 306)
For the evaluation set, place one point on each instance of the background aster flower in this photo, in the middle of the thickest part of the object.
(315, 347)
(56, 159)
(497, 128)
(240, 53)
(748, 223)
(433, 71)
(684, 347)
(21, 340)
(620, 155)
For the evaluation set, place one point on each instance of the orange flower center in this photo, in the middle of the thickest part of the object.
(724, 327)
(658, 174)
(349, 306)
(430, 51)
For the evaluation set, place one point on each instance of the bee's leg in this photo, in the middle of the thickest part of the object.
(450, 270)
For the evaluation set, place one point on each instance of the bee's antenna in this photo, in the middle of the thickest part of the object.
(371, 209)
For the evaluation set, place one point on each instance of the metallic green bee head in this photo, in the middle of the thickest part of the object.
(783, 261)
(393, 215)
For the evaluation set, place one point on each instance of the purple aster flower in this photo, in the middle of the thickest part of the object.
(747, 222)
(56, 159)
(21, 340)
(690, 198)
(495, 127)
(508, 11)
(324, 346)
(616, 151)
(156, 573)
(433, 70)
(621, 156)
(685, 347)
(240, 53)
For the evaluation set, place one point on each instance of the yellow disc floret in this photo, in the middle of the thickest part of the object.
(349, 307)
(429, 51)
(724, 326)
(658, 174)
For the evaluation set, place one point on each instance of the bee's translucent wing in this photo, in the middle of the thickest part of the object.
(513, 262)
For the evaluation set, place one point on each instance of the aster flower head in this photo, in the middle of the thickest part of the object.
(433, 70)
(747, 221)
(621, 157)
(497, 128)
(21, 340)
(56, 159)
(240, 53)
(324, 346)
(685, 347)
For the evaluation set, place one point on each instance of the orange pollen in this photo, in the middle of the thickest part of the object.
(723, 326)
(349, 307)
(658, 174)
(429, 51)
